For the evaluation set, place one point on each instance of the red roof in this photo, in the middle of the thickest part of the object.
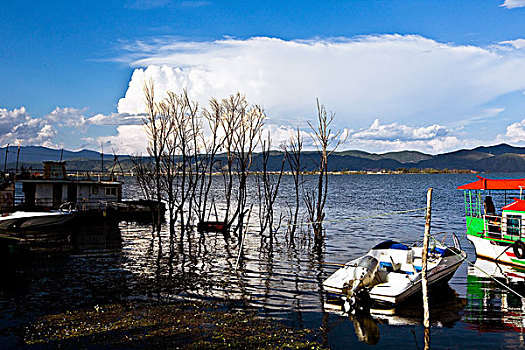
(517, 205)
(493, 184)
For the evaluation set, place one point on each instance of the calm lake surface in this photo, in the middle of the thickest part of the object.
(83, 267)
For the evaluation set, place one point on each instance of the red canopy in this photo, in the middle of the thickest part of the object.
(492, 184)
(517, 205)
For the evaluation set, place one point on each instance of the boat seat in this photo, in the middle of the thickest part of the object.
(395, 266)
(387, 263)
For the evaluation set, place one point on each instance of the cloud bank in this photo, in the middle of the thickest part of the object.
(408, 79)
(389, 92)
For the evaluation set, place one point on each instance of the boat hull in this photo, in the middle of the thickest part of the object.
(439, 275)
(495, 251)
(30, 220)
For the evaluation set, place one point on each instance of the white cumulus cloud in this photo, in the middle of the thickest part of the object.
(515, 133)
(398, 132)
(17, 125)
(517, 44)
(67, 116)
(130, 139)
(511, 4)
(397, 137)
(116, 119)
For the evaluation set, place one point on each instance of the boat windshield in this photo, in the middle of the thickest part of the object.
(391, 245)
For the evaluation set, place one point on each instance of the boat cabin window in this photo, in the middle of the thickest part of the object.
(111, 191)
(513, 225)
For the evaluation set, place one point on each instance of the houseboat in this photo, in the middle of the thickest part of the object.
(54, 188)
(90, 198)
(495, 214)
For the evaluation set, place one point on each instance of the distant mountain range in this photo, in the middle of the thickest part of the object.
(499, 158)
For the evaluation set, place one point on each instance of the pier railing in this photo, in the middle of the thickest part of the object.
(50, 203)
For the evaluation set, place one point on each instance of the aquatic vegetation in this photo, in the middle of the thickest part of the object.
(190, 325)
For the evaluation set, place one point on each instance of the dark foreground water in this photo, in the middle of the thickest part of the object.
(83, 267)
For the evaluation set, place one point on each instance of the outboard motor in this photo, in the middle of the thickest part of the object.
(364, 274)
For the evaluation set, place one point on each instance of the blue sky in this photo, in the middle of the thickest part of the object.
(427, 75)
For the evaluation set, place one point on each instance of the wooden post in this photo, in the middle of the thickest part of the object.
(427, 339)
(424, 284)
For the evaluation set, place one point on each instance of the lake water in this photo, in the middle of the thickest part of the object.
(80, 268)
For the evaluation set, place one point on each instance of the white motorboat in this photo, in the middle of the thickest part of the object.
(391, 272)
(34, 219)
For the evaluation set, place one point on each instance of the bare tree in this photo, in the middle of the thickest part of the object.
(171, 110)
(241, 125)
(156, 127)
(293, 156)
(181, 149)
(196, 165)
(183, 161)
(268, 188)
(144, 171)
(315, 199)
(207, 162)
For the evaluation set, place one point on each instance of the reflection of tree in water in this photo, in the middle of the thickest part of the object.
(320, 277)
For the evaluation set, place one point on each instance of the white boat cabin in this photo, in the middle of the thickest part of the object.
(513, 216)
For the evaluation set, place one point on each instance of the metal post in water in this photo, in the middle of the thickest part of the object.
(5, 162)
(102, 159)
(424, 282)
(17, 157)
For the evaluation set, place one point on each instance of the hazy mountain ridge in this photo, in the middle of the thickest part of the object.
(498, 158)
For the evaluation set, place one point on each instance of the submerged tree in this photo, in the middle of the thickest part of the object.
(177, 160)
(268, 189)
(157, 130)
(183, 159)
(241, 125)
(207, 162)
(293, 156)
(315, 199)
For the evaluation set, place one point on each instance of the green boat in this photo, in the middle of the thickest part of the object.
(498, 233)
